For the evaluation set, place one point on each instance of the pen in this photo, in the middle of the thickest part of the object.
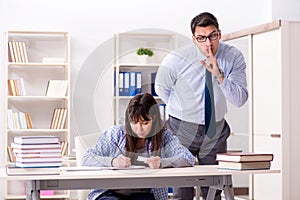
(121, 151)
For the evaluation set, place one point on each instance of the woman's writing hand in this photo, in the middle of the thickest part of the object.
(121, 161)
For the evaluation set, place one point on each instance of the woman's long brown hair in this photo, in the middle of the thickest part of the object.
(143, 107)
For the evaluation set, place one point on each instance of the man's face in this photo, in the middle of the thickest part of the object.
(207, 37)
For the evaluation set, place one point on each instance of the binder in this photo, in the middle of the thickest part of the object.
(138, 83)
(162, 109)
(121, 84)
(153, 76)
(115, 81)
(132, 85)
(126, 84)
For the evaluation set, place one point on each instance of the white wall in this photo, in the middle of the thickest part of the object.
(92, 22)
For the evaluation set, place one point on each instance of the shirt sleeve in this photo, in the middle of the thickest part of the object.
(175, 154)
(104, 150)
(234, 85)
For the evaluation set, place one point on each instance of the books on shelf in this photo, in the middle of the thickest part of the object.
(244, 165)
(30, 151)
(64, 147)
(11, 155)
(244, 157)
(17, 52)
(36, 139)
(59, 118)
(56, 88)
(18, 120)
(16, 87)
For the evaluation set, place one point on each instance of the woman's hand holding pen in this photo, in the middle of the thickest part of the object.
(153, 162)
(121, 161)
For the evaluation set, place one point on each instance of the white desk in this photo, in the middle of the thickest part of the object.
(207, 175)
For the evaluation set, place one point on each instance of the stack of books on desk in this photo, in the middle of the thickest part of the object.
(37, 151)
(244, 160)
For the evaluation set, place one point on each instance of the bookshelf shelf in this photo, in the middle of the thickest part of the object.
(128, 71)
(33, 58)
(37, 64)
(36, 98)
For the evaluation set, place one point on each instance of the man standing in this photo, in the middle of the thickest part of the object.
(180, 82)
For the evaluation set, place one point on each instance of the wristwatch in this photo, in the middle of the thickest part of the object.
(220, 75)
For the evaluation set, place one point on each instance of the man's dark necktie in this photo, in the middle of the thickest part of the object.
(210, 119)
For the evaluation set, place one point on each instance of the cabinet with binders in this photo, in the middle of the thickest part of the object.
(37, 100)
(130, 75)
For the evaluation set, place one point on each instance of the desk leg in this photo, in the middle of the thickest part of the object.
(225, 184)
(32, 190)
(211, 193)
(228, 190)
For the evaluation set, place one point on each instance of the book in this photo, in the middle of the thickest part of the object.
(38, 164)
(38, 159)
(34, 146)
(64, 147)
(46, 150)
(38, 155)
(25, 52)
(11, 155)
(244, 157)
(54, 118)
(11, 52)
(57, 88)
(28, 120)
(36, 139)
(11, 169)
(244, 165)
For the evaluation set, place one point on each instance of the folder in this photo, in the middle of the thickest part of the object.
(153, 76)
(132, 85)
(126, 84)
(121, 84)
(138, 83)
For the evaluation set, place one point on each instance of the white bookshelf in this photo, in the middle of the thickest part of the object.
(126, 60)
(48, 58)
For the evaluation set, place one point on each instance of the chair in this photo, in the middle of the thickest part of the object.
(82, 143)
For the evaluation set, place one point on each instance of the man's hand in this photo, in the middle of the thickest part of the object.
(211, 65)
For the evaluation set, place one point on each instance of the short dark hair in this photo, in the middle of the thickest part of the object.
(204, 19)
